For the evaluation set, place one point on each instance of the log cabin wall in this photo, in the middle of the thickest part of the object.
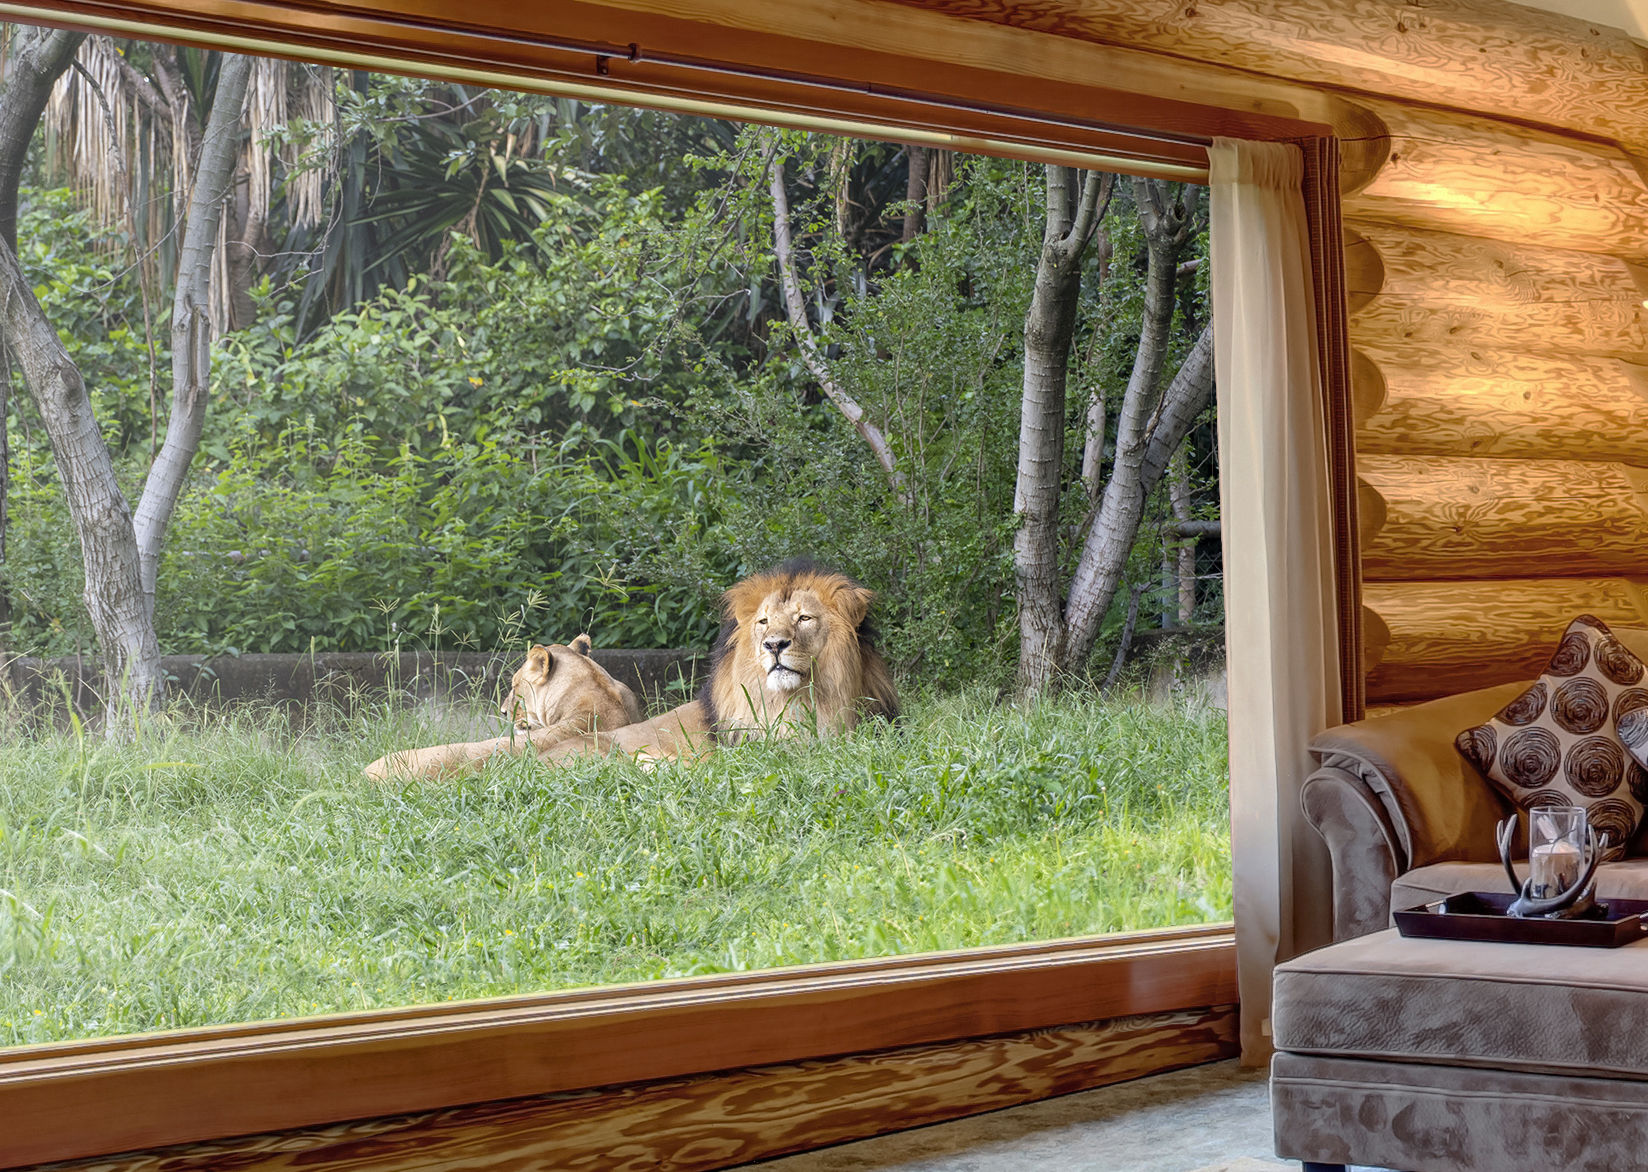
(1496, 293)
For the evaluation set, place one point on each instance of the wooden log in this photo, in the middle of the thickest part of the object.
(1364, 269)
(1506, 60)
(1375, 637)
(1440, 638)
(1407, 286)
(1367, 389)
(1470, 176)
(1611, 329)
(1412, 263)
(721, 1120)
(1433, 399)
(1442, 517)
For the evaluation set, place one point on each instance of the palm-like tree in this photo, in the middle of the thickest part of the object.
(124, 125)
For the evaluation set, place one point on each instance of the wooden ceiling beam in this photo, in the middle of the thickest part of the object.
(1483, 56)
(871, 58)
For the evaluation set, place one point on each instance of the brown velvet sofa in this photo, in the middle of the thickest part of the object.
(1408, 820)
(1449, 1056)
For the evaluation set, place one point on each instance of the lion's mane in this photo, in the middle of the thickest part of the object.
(849, 678)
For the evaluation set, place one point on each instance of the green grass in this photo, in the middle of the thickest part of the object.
(234, 868)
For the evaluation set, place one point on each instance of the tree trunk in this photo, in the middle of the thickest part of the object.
(102, 516)
(915, 192)
(1092, 472)
(1168, 226)
(34, 61)
(36, 57)
(1134, 474)
(248, 232)
(191, 318)
(941, 172)
(1048, 328)
(1178, 489)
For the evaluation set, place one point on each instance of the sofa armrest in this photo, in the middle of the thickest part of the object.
(1437, 806)
(1362, 844)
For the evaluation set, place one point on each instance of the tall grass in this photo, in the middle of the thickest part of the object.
(232, 866)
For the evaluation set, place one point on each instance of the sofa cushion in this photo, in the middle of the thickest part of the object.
(1555, 744)
(1626, 879)
(1469, 1003)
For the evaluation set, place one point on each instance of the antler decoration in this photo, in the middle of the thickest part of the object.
(1573, 901)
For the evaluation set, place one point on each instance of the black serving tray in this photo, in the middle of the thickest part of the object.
(1480, 915)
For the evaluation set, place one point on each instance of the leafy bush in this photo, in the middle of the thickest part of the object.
(610, 418)
(296, 546)
(93, 296)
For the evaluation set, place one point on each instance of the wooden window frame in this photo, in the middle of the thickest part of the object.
(92, 1097)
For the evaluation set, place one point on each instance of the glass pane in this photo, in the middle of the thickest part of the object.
(489, 371)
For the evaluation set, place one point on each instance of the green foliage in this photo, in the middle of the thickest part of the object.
(42, 571)
(602, 402)
(229, 868)
(564, 330)
(307, 544)
(93, 299)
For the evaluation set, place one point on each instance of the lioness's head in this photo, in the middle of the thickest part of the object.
(561, 682)
(796, 633)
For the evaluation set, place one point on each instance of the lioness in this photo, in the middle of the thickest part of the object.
(796, 653)
(559, 692)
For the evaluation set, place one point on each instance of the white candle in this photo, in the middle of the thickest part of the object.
(1553, 866)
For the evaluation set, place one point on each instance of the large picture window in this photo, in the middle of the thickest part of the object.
(489, 370)
(302, 769)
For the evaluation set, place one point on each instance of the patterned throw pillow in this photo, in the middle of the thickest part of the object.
(1556, 744)
(1632, 726)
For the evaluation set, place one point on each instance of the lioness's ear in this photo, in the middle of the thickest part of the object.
(539, 662)
(854, 603)
(581, 644)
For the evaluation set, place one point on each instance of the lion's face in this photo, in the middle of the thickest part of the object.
(789, 632)
(795, 653)
(561, 682)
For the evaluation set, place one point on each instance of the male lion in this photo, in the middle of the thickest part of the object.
(795, 653)
(559, 692)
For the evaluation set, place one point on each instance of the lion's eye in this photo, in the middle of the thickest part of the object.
(803, 618)
(760, 622)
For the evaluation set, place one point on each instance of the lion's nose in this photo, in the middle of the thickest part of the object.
(775, 645)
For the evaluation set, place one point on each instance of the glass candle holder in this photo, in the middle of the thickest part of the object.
(1556, 848)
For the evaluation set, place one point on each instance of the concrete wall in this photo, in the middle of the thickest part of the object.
(338, 676)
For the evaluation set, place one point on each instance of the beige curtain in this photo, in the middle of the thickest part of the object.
(1281, 637)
